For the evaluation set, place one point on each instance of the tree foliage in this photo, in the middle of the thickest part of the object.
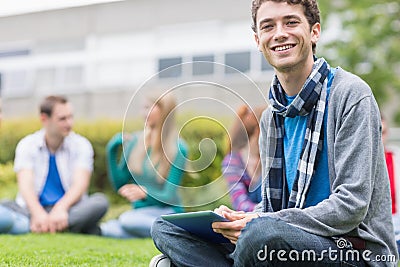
(369, 41)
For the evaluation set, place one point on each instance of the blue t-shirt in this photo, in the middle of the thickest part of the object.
(53, 189)
(256, 195)
(295, 129)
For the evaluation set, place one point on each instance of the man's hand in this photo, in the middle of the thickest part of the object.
(132, 192)
(221, 210)
(232, 229)
(58, 219)
(39, 222)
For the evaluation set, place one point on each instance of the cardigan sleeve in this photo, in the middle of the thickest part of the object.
(169, 192)
(119, 174)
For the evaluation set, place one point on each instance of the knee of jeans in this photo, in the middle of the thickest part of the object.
(261, 232)
(101, 202)
(5, 224)
(251, 233)
(155, 228)
(21, 226)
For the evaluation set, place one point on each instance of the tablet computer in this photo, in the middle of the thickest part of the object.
(198, 223)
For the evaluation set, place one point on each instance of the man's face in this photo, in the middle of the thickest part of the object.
(61, 121)
(284, 35)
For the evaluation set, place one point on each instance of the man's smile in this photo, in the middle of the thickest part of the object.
(283, 47)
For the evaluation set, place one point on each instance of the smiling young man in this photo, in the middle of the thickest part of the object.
(53, 167)
(326, 199)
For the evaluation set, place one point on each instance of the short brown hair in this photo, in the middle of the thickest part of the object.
(310, 7)
(47, 105)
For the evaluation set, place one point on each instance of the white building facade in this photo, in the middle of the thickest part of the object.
(99, 55)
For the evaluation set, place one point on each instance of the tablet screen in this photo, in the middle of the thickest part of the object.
(198, 223)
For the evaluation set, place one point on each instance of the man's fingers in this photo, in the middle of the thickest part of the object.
(234, 216)
(221, 209)
(231, 235)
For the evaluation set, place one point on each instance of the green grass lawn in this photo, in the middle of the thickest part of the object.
(74, 250)
(65, 249)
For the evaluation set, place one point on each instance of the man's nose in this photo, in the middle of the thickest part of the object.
(280, 33)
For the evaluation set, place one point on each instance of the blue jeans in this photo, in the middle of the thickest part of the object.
(396, 225)
(263, 242)
(6, 220)
(82, 217)
(12, 222)
(85, 215)
(134, 223)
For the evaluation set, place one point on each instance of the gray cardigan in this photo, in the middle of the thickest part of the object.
(359, 204)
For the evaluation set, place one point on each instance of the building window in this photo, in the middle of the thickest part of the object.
(237, 60)
(15, 83)
(265, 66)
(170, 67)
(203, 65)
(61, 79)
(14, 53)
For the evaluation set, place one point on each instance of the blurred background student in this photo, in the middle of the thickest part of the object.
(392, 156)
(6, 216)
(149, 172)
(54, 167)
(241, 166)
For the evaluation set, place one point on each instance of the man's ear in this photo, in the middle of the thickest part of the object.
(315, 32)
(44, 117)
(257, 41)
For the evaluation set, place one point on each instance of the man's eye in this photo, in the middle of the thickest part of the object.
(292, 22)
(266, 27)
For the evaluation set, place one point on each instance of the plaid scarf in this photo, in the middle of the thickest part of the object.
(309, 102)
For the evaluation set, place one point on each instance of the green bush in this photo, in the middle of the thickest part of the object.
(206, 141)
(11, 132)
(8, 182)
(99, 133)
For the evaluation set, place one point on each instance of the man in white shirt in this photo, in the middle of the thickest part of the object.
(53, 167)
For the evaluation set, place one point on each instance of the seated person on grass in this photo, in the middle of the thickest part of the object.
(241, 167)
(149, 172)
(6, 217)
(53, 167)
(392, 156)
(325, 183)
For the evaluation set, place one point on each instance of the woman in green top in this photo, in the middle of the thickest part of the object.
(149, 173)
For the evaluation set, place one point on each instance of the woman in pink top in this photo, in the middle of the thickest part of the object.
(241, 166)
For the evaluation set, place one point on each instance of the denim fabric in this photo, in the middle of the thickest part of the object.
(86, 214)
(82, 217)
(258, 245)
(21, 224)
(12, 221)
(134, 223)
(271, 242)
(396, 225)
(185, 249)
(6, 220)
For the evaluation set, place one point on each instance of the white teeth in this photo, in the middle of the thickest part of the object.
(285, 47)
